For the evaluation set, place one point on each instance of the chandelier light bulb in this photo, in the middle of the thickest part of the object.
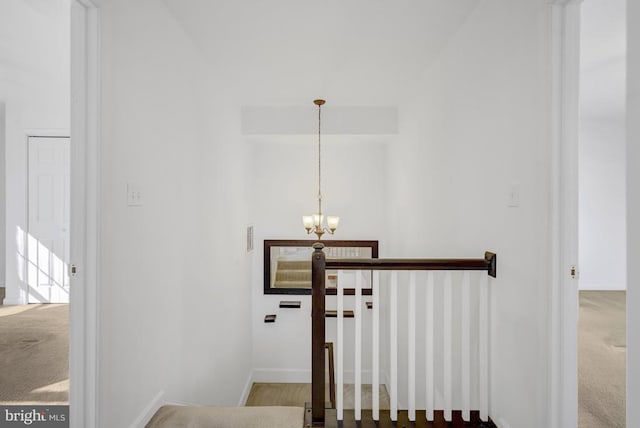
(332, 222)
(307, 220)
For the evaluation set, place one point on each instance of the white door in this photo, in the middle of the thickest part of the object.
(48, 235)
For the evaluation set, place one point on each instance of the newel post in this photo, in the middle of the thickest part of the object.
(317, 333)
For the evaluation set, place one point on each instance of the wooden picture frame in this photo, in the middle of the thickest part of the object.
(287, 264)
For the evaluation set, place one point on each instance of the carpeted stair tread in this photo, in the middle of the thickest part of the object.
(227, 417)
(292, 284)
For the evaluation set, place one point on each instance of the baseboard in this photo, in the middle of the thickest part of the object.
(246, 390)
(178, 403)
(300, 376)
(598, 286)
(146, 414)
(157, 402)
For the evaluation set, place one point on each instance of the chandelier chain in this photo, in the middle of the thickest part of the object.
(315, 223)
(319, 165)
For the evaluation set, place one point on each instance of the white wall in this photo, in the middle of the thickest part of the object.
(633, 212)
(478, 125)
(602, 230)
(36, 94)
(175, 311)
(602, 204)
(3, 204)
(284, 188)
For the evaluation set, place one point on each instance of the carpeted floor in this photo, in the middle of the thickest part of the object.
(34, 354)
(296, 394)
(601, 359)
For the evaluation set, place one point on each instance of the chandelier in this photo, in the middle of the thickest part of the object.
(315, 223)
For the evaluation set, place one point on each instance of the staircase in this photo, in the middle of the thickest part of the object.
(473, 322)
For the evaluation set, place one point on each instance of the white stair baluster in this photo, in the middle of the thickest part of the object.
(340, 346)
(484, 347)
(466, 347)
(429, 348)
(448, 346)
(411, 352)
(375, 381)
(393, 345)
(358, 352)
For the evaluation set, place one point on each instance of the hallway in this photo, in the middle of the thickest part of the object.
(34, 354)
(602, 352)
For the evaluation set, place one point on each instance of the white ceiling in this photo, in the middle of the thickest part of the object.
(603, 59)
(284, 52)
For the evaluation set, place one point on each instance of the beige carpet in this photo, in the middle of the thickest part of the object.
(296, 394)
(601, 359)
(227, 417)
(34, 354)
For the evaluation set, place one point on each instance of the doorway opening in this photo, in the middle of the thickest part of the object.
(3, 206)
(602, 215)
(28, 111)
(36, 117)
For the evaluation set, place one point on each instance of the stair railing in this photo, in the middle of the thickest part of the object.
(319, 266)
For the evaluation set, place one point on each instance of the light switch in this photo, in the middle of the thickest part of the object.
(134, 195)
(513, 198)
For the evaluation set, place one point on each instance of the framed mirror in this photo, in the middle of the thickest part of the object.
(287, 264)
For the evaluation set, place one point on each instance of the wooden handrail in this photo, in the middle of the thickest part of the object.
(319, 264)
(488, 264)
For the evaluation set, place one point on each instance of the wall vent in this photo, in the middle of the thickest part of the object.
(249, 236)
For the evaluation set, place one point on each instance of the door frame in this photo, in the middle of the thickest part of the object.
(85, 214)
(565, 73)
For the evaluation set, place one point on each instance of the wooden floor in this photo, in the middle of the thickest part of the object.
(402, 422)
